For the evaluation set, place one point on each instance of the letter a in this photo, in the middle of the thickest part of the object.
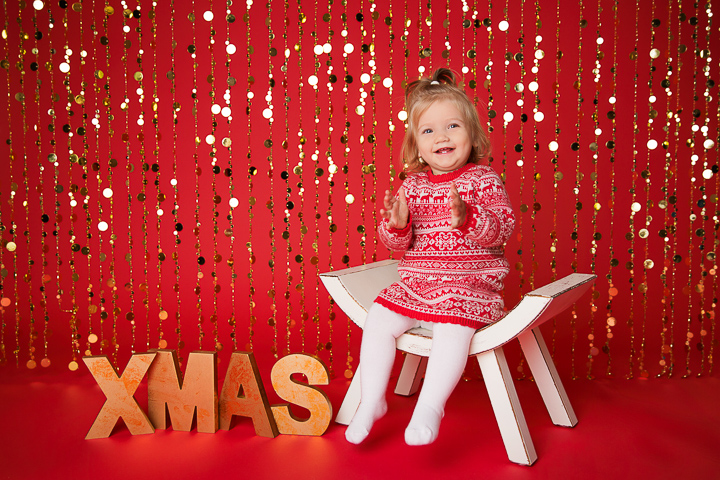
(119, 391)
(198, 391)
(301, 394)
(242, 373)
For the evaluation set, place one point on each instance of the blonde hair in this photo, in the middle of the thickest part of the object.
(420, 94)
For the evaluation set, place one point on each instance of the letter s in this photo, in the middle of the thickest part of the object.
(301, 394)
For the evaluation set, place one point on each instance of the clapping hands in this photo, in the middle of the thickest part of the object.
(396, 210)
(457, 206)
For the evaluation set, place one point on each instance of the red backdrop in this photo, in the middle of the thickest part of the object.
(117, 147)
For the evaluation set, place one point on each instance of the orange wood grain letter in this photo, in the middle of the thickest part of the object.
(119, 391)
(301, 394)
(197, 391)
(242, 373)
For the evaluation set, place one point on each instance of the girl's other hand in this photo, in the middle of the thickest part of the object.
(457, 206)
(396, 210)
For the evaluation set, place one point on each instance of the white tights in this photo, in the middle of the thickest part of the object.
(377, 354)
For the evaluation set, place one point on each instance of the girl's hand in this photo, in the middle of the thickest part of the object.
(396, 210)
(457, 206)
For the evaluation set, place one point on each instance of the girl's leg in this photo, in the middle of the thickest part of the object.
(447, 361)
(377, 355)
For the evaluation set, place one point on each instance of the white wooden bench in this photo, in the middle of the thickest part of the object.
(355, 289)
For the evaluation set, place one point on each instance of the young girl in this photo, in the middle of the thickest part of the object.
(452, 217)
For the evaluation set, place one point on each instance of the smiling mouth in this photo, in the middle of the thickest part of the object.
(444, 150)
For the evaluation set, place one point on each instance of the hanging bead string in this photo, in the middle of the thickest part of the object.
(211, 140)
(612, 290)
(252, 171)
(270, 204)
(108, 193)
(643, 233)
(582, 23)
(487, 83)
(557, 174)
(142, 196)
(472, 24)
(80, 99)
(596, 236)
(4, 300)
(373, 127)
(45, 218)
(230, 50)
(332, 170)
(104, 76)
(446, 26)
(689, 334)
(663, 204)
(538, 117)
(198, 171)
(159, 196)
(507, 116)
(677, 258)
(74, 246)
(708, 144)
(316, 180)
(32, 331)
(129, 168)
(360, 110)
(162, 343)
(11, 246)
(101, 226)
(144, 167)
(424, 51)
(634, 206)
(53, 158)
(21, 97)
(389, 84)
(714, 198)
(519, 147)
(429, 23)
(298, 170)
(285, 175)
(713, 256)
(348, 48)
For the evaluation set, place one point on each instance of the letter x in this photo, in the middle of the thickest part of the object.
(119, 392)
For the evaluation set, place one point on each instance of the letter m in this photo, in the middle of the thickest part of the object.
(197, 391)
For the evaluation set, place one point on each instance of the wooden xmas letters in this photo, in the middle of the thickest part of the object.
(195, 393)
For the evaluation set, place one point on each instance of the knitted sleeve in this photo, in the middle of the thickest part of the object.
(490, 219)
(394, 238)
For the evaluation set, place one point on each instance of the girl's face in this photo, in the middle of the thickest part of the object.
(442, 137)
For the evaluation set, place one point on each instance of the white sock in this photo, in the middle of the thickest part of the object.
(448, 357)
(377, 355)
(424, 425)
(365, 417)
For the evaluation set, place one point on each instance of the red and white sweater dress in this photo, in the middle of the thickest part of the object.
(451, 275)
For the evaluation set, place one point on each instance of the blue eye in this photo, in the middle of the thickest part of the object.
(427, 130)
(453, 125)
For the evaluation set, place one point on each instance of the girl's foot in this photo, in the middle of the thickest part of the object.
(363, 421)
(424, 425)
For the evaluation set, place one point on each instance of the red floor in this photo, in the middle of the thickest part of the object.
(658, 429)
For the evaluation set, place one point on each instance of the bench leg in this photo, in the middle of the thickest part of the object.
(351, 402)
(546, 378)
(412, 373)
(506, 406)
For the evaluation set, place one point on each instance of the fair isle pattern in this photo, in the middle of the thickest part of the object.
(451, 276)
